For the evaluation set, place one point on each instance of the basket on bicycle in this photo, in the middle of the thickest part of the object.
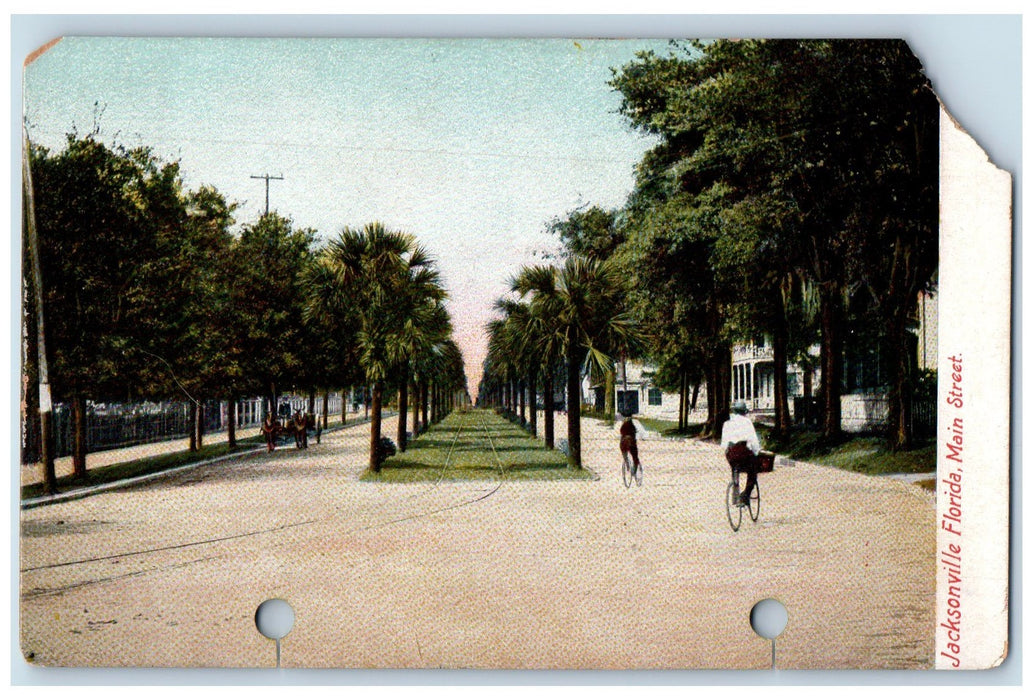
(765, 462)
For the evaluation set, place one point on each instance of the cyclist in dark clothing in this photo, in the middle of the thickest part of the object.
(628, 441)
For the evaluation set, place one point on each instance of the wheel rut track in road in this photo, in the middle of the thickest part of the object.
(168, 548)
(58, 590)
(444, 467)
(287, 526)
(453, 506)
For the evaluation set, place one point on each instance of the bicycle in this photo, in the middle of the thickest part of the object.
(734, 506)
(629, 472)
(764, 462)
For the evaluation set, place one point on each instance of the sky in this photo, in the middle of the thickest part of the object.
(472, 145)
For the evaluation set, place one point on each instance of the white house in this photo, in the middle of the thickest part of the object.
(637, 392)
(753, 376)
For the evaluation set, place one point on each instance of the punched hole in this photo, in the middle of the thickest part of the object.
(274, 618)
(768, 618)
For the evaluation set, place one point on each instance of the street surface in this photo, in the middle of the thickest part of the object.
(546, 575)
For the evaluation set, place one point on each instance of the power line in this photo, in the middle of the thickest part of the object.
(536, 154)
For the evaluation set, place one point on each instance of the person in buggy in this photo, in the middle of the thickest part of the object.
(741, 445)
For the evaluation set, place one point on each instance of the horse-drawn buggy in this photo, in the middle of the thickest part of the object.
(281, 429)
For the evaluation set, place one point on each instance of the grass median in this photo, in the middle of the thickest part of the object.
(476, 445)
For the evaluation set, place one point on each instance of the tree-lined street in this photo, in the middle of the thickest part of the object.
(775, 192)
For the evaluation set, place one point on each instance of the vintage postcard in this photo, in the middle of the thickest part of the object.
(509, 354)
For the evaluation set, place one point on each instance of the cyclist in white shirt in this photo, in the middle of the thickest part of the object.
(741, 445)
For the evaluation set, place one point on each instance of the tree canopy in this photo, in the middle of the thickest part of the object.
(785, 172)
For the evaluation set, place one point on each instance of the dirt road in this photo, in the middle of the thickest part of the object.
(555, 575)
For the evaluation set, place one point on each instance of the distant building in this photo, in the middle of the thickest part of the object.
(863, 401)
(638, 393)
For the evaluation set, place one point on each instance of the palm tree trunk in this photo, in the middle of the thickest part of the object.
(231, 422)
(610, 383)
(548, 391)
(79, 439)
(532, 400)
(424, 398)
(374, 426)
(574, 407)
(523, 402)
(326, 405)
(415, 391)
(403, 408)
(199, 424)
(192, 424)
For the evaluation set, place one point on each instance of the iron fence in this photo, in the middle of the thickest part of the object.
(114, 425)
(873, 418)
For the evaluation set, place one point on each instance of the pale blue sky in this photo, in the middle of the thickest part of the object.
(471, 145)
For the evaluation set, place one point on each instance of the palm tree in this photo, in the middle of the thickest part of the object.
(377, 282)
(451, 380)
(427, 327)
(581, 307)
(519, 336)
(502, 354)
(534, 349)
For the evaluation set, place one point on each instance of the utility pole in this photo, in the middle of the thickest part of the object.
(267, 177)
(46, 407)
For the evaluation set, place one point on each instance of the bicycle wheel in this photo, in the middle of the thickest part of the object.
(754, 503)
(732, 506)
(626, 470)
(638, 474)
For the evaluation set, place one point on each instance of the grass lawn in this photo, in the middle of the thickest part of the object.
(458, 449)
(862, 453)
(139, 467)
(669, 428)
